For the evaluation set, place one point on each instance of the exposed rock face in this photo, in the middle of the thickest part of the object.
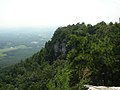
(60, 48)
(90, 87)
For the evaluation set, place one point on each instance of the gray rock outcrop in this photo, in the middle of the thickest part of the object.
(90, 87)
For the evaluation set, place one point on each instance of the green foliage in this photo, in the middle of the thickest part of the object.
(76, 55)
(60, 80)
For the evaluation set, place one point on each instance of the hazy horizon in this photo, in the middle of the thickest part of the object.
(27, 29)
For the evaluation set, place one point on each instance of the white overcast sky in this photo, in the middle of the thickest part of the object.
(39, 13)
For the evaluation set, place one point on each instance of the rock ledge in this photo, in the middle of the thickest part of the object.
(90, 87)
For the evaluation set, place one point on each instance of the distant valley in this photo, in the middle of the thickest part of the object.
(16, 45)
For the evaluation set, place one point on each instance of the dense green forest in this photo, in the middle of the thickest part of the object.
(76, 55)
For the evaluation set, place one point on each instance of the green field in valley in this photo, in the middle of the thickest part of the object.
(5, 50)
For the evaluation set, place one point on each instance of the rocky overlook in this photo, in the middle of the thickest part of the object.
(76, 55)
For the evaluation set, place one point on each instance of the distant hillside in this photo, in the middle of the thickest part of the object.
(76, 55)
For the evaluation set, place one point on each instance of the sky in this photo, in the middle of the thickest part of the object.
(45, 13)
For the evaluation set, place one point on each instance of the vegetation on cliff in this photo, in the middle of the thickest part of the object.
(76, 55)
